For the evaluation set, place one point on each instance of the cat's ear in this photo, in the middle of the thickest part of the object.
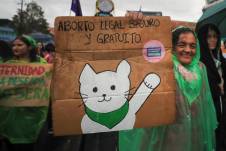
(87, 73)
(123, 68)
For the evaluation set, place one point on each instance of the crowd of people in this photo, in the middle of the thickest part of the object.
(26, 48)
(200, 73)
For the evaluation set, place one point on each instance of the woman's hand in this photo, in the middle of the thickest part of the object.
(135, 15)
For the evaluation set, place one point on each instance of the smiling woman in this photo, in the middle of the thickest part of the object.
(193, 129)
(185, 48)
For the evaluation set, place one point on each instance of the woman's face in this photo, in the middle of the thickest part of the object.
(20, 49)
(186, 48)
(212, 39)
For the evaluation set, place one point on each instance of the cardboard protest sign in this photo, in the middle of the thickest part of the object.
(24, 85)
(112, 73)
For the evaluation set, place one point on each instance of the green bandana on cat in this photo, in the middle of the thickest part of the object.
(109, 119)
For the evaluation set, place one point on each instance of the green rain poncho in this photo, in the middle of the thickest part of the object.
(22, 124)
(194, 128)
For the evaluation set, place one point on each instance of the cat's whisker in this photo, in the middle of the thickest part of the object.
(83, 103)
(129, 89)
(126, 98)
(83, 94)
(78, 98)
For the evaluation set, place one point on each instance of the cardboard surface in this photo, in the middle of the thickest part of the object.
(98, 56)
(25, 84)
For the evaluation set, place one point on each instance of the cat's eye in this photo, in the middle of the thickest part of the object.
(95, 89)
(113, 87)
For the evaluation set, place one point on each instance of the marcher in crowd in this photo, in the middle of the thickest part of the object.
(193, 129)
(5, 54)
(211, 55)
(24, 50)
(5, 51)
(40, 48)
(48, 52)
(21, 126)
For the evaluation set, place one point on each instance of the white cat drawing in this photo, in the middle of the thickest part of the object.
(105, 97)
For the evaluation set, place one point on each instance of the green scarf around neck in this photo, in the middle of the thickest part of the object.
(109, 119)
(190, 83)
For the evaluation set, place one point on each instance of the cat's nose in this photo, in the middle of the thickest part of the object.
(104, 95)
